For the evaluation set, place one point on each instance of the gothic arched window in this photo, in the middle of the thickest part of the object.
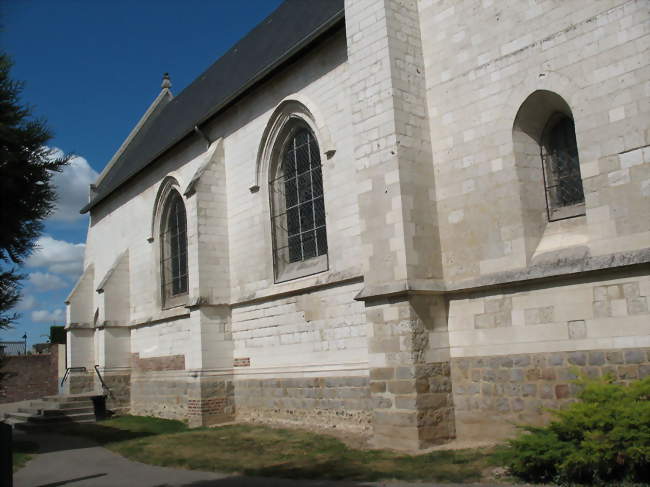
(297, 206)
(561, 166)
(173, 251)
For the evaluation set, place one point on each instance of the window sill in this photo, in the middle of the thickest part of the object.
(296, 270)
(565, 212)
(178, 301)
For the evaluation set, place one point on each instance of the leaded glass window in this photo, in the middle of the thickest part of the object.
(298, 208)
(173, 238)
(563, 182)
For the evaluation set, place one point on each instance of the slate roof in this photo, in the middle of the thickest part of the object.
(284, 33)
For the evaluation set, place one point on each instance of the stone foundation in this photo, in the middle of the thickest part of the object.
(493, 394)
(318, 403)
(413, 406)
(201, 401)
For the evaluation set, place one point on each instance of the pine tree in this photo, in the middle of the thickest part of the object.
(27, 195)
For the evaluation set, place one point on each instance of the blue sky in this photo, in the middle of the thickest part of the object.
(91, 69)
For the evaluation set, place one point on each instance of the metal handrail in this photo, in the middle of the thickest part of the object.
(72, 369)
(105, 388)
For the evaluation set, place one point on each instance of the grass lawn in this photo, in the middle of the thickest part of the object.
(271, 452)
(22, 452)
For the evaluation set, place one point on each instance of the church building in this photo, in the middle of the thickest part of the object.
(411, 220)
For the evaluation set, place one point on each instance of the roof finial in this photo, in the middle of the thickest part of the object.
(166, 83)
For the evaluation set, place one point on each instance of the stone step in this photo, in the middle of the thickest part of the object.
(71, 397)
(65, 405)
(63, 418)
(57, 411)
(36, 427)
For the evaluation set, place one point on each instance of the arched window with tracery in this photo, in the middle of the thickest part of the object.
(173, 250)
(297, 205)
(561, 166)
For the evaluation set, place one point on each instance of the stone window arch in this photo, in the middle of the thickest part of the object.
(297, 202)
(173, 250)
(546, 153)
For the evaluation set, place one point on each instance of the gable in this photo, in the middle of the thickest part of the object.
(283, 34)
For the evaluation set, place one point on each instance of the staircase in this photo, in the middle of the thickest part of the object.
(54, 411)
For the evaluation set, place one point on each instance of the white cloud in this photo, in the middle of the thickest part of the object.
(44, 281)
(44, 316)
(71, 188)
(58, 256)
(26, 303)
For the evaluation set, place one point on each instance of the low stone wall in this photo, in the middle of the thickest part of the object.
(119, 385)
(28, 376)
(493, 394)
(318, 403)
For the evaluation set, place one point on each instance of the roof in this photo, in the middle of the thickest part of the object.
(290, 28)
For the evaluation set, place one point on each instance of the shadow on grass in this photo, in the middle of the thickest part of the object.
(22, 452)
(269, 482)
(72, 436)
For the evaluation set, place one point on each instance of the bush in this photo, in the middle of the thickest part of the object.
(605, 437)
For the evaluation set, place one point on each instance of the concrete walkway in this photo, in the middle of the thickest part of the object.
(77, 462)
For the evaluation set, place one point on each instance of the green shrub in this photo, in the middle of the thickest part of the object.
(602, 438)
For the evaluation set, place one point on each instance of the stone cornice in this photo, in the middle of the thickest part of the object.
(550, 266)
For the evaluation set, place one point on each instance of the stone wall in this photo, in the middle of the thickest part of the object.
(78, 383)
(320, 403)
(482, 61)
(119, 385)
(28, 377)
(493, 394)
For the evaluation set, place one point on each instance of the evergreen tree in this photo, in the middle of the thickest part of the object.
(26, 193)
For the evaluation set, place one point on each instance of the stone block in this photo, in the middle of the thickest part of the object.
(521, 361)
(377, 387)
(378, 402)
(517, 404)
(421, 385)
(596, 358)
(628, 372)
(401, 386)
(637, 305)
(405, 402)
(614, 357)
(517, 375)
(547, 391)
(577, 329)
(562, 391)
(404, 372)
(386, 373)
(634, 356)
(577, 358)
(529, 390)
(533, 374)
(502, 405)
(602, 309)
(644, 371)
(567, 373)
(631, 289)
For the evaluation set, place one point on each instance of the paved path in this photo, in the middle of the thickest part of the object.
(77, 462)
